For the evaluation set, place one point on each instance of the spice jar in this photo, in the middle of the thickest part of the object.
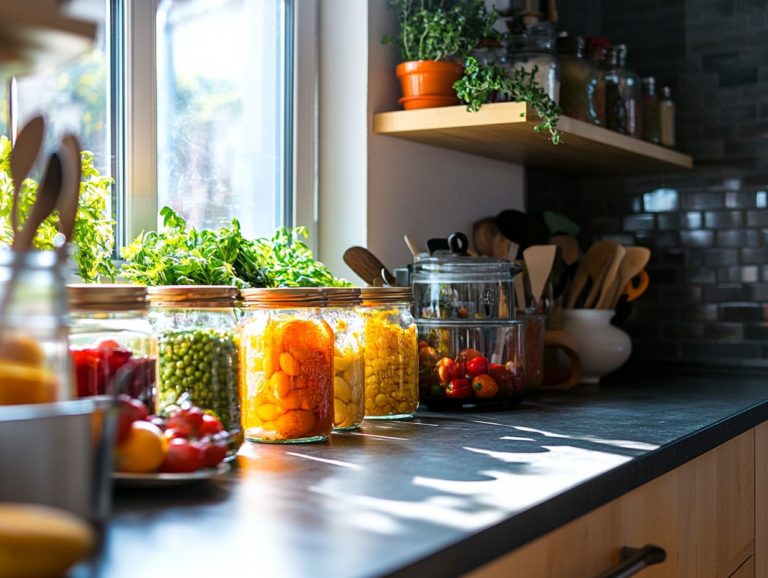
(667, 118)
(109, 330)
(578, 80)
(631, 94)
(615, 109)
(343, 316)
(535, 48)
(198, 351)
(391, 357)
(650, 114)
(34, 365)
(597, 49)
(287, 360)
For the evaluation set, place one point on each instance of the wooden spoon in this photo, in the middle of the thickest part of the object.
(23, 155)
(606, 285)
(483, 234)
(592, 266)
(368, 266)
(634, 261)
(539, 260)
(569, 247)
(47, 196)
(70, 188)
(413, 246)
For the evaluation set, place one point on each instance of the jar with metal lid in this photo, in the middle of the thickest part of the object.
(456, 286)
(287, 365)
(34, 364)
(198, 350)
(578, 80)
(391, 356)
(109, 330)
(534, 49)
(342, 314)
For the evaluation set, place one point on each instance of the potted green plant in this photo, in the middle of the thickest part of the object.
(434, 37)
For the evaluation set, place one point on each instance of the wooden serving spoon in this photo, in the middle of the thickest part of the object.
(70, 188)
(592, 266)
(634, 261)
(368, 267)
(606, 286)
(47, 196)
(539, 260)
(23, 155)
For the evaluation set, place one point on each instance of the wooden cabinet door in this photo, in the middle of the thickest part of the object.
(701, 513)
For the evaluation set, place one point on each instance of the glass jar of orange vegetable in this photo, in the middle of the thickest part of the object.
(348, 363)
(287, 351)
(391, 353)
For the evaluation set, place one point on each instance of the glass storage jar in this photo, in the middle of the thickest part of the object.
(650, 115)
(597, 49)
(198, 351)
(34, 364)
(343, 316)
(109, 329)
(391, 357)
(578, 80)
(287, 360)
(631, 93)
(535, 47)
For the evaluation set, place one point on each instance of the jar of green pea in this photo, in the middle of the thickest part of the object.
(198, 351)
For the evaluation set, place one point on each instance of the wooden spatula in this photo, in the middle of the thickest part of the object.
(368, 267)
(23, 156)
(539, 260)
(606, 285)
(634, 261)
(592, 266)
(70, 188)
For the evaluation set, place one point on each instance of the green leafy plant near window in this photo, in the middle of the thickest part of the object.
(93, 235)
(482, 84)
(441, 29)
(182, 255)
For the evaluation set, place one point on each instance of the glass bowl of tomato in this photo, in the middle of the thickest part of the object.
(467, 364)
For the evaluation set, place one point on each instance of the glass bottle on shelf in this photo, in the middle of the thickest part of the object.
(578, 80)
(667, 118)
(615, 109)
(535, 47)
(631, 94)
(597, 48)
(650, 114)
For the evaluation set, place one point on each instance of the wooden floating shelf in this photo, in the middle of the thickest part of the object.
(504, 131)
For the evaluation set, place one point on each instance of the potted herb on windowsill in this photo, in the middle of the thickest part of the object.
(434, 38)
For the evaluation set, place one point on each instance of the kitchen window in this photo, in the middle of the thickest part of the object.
(186, 103)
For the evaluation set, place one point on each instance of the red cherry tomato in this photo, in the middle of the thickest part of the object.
(470, 353)
(485, 386)
(182, 456)
(210, 425)
(173, 433)
(129, 411)
(447, 370)
(187, 419)
(459, 388)
(477, 366)
(213, 453)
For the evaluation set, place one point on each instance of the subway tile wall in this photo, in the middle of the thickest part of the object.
(707, 228)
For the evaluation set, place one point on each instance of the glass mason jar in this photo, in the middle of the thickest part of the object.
(34, 364)
(597, 49)
(345, 320)
(198, 351)
(391, 353)
(631, 93)
(109, 329)
(615, 107)
(287, 364)
(651, 126)
(535, 47)
(578, 80)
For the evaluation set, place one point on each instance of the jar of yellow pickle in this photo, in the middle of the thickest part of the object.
(391, 353)
(287, 354)
(348, 364)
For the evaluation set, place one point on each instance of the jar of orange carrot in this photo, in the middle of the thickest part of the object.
(286, 350)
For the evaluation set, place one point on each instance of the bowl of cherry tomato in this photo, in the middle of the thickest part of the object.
(463, 364)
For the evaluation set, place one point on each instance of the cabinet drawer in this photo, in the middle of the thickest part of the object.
(701, 513)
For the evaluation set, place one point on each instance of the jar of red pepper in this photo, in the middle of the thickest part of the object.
(109, 330)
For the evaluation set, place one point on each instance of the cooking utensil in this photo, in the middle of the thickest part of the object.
(413, 247)
(437, 244)
(70, 188)
(525, 230)
(611, 273)
(569, 247)
(634, 261)
(518, 281)
(368, 267)
(483, 234)
(591, 267)
(23, 155)
(503, 248)
(47, 196)
(633, 291)
(539, 260)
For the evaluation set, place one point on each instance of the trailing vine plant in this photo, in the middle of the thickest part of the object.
(483, 84)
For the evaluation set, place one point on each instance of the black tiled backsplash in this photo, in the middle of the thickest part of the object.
(708, 227)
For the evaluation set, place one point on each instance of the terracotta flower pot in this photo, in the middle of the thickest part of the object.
(430, 79)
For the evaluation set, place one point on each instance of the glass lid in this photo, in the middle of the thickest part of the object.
(456, 265)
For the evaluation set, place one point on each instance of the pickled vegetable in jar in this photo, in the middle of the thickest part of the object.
(287, 366)
(345, 320)
(391, 353)
(198, 351)
(109, 331)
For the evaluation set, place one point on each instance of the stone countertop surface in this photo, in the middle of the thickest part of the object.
(436, 496)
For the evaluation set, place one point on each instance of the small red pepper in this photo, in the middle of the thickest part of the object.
(477, 366)
(459, 388)
(446, 369)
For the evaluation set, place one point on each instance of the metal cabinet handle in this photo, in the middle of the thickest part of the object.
(635, 559)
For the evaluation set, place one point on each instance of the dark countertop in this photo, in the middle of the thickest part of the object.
(436, 496)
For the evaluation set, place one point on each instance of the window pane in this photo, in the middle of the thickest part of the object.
(4, 107)
(74, 97)
(221, 111)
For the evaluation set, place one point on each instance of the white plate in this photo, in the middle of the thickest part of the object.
(127, 480)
